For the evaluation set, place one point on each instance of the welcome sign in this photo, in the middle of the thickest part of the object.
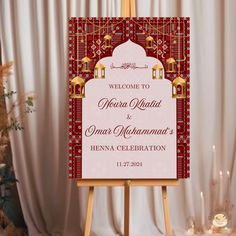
(129, 98)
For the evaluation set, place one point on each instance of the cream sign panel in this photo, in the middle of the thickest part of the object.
(129, 119)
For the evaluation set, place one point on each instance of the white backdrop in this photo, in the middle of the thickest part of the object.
(34, 35)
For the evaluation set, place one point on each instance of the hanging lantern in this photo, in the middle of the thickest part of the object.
(78, 87)
(179, 88)
(171, 64)
(149, 42)
(157, 72)
(107, 39)
(99, 71)
(86, 64)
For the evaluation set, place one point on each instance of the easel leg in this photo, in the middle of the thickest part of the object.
(126, 210)
(89, 211)
(166, 210)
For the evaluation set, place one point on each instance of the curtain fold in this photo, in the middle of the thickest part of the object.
(34, 35)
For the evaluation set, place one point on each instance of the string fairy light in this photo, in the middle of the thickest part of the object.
(77, 59)
(170, 37)
(157, 38)
(178, 47)
(85, 26)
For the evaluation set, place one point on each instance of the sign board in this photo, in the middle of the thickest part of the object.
(129, 98)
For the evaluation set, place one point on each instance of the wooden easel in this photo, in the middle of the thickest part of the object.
(91, 183)
(128, 9)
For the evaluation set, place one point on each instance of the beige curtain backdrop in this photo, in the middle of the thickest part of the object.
(33, 34)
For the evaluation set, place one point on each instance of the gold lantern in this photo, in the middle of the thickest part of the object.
(78, 87)
(149, 42)
(157, 72)
(99, 71)
(107, 39)
(86, 64)
(179, 88)
(171, 62)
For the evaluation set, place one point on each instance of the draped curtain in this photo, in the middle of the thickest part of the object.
(33, 34)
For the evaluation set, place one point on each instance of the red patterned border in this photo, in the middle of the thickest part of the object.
(173, 37)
